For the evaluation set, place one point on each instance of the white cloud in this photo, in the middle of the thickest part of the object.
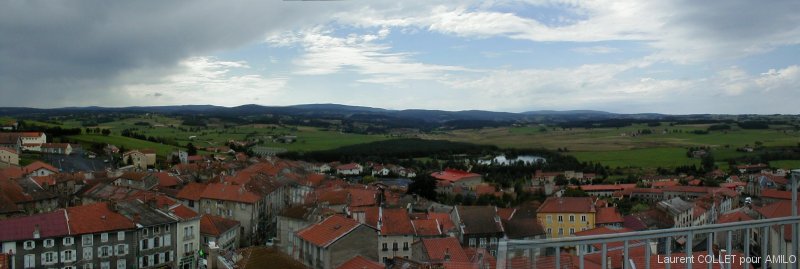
(323, 54)
(205, 80)
(595, 50)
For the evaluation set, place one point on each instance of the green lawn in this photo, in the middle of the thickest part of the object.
(652, 157)
(127, 142)
(789, 164)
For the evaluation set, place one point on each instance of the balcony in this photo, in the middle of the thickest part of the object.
(765, 243)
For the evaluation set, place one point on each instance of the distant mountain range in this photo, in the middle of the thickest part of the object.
(336, 110)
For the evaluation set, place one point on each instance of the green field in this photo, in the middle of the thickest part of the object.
(308, 138)
(786, 164)
(665, 147)
(127, 142)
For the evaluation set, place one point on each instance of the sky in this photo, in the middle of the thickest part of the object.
(625, 56)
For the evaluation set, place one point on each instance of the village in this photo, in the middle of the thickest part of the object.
(231, 210)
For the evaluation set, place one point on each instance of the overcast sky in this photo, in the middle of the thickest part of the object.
(675, 57)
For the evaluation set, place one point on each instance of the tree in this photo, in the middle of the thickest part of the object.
(708, 162)
(575, 192)
(191, 149)
(561, 180)
(106, 132)
(424, 186)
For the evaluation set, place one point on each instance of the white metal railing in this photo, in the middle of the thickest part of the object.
(547, 253)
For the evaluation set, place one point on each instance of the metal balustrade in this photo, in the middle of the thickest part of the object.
(659, 249)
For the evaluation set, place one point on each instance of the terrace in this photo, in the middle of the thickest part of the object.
(707, 246)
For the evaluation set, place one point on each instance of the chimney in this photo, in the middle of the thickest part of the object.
(608, 261)
(447, 254)
(36, 232)
(213, 252)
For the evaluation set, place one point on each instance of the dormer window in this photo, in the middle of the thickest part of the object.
(30, 244)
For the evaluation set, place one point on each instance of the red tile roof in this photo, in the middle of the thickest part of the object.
(359, 262)
(435, 248)
(605, 187)
(453, 175)
(443, 219)
(48, 180)
(184, 212)
(328, 231)
(661, 184)
(363, 197)
(95, 218)
(11, 172)
(192, 191)
(52, 224)
(38, 165)
(226, 192)
(735, 216)
(8, 150)
(426, 227)
(506, 213)
(396, 222)
(567, 205)
(776, 194)
(349, 166)
(215, 226)
(166, 180)
(607, 215)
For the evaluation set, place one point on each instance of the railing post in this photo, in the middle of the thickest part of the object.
(603, 260)
(796, 226)
(558, 257)
(668, 249)
(689, 243)
(580, 255)
(625, 256)
(730, 246)
(709, 248)
(502, 252)
(764, 245)
(647, 254)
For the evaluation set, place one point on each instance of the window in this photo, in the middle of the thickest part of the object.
(493, 240)
(48, 243)
(105, 265)
(88, 266)
(30, 244)
(120, 236)
(68, 256)
(571, 230)
(121, 264)
(143, 244)
(242, 206)
(583, 218)
(104, 237)
(87, 240)
(30, 261)
(394, 246)
(405, 245)
(49, 258)
(156, 230)
(87, 253)
(549, 219)
(122, 250)
(68, 241)
(483, 242)
(144, 231)
(549, 231)
(166, 228)
(104, 251)
(560, 231)
(560, 218)
(472, 242)
(230, 212)
(384, 247)
(571, 218)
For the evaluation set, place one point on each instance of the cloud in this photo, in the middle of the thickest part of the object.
(595, 50)
(324, 54)
(206, 80)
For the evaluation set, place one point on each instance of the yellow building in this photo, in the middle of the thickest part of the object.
(564, 216)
